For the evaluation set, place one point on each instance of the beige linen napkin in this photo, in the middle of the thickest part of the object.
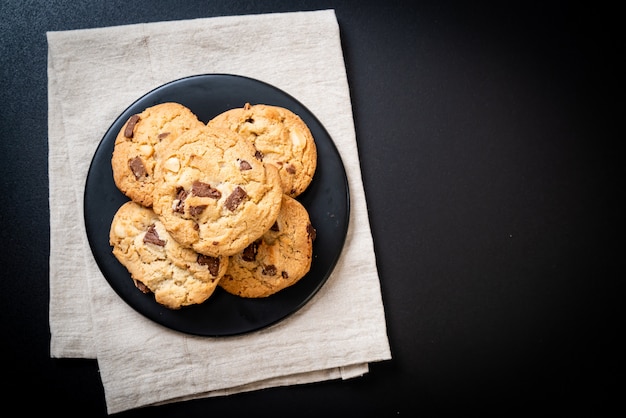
(94, 74)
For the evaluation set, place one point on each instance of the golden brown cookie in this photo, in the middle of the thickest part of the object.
(213, 194)
(138, 143)
(281, 137)
(177, 276)
(279, 259)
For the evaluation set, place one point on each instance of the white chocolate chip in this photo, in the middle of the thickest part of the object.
(120, 231)
(297, 140)
(172, 164)
(146, 150)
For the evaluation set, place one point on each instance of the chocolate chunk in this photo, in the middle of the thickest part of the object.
(137, 167)
(249, 120)
(284, 274)
(275, 227)
(291, 169)
(244, 165)
(258, 155)
(163, 135)
(130, 126)
(235, 198)
(142, 287)
(181, 195)
(197, 210)
(152, 236)
(201, 189)
(269, 270)
(249, 253)
(312, 233)
(213, 263)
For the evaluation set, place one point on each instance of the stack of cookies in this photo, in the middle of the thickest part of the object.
(213, 204)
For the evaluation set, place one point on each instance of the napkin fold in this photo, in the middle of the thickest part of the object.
(94, 75)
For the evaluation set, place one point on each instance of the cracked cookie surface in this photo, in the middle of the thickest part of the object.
(138, 144)
(177, 276)
(281, 137)
(213, 193)
(279, 259)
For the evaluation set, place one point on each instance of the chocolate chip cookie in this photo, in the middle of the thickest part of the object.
(279, 259)
(138, 143)
(213, 192)
(177, 276)
(281, 137)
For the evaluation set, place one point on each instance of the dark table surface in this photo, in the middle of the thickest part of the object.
(488, 142)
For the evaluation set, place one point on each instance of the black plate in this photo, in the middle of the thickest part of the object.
(326, 199)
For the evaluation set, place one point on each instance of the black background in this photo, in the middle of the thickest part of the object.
(490, 152)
